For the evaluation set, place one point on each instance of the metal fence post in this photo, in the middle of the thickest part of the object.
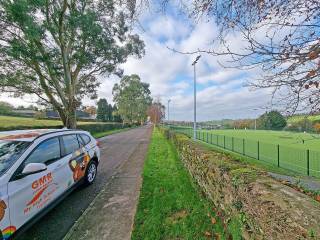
(207, 137)
(278, 155)
(211, 138)
(232, 144)
(217, 140)
(243, 147)
(258, 150)
(224, 142)
(308, 162)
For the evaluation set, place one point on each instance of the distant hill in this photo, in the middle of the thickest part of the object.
(297, 118)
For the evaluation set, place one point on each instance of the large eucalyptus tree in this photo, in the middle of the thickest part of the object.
(132, 98)
(57, 48)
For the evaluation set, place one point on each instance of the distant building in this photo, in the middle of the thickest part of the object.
(79, 114)
(25, 112)
(52, 114)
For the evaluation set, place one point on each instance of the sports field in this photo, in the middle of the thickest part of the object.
(299, 152)
(284, 138)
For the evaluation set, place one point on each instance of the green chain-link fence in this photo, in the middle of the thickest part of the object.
(306, 162)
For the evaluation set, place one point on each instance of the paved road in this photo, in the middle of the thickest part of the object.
(115, 149)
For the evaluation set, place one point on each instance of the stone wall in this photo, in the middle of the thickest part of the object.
(248, 197)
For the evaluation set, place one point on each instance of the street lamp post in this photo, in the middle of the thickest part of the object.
(195, 98)
(255, 119)
(168, 110)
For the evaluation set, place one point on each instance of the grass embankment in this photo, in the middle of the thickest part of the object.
(170, 205)
(13, 123)
(9, 121)
(303, 117)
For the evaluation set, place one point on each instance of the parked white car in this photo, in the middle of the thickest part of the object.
(37, 169)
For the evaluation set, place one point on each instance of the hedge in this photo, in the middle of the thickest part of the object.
(92, 128)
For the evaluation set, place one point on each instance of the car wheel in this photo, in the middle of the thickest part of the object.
(91, 173)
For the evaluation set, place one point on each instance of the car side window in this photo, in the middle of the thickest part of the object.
(80, 140)
(70, 143)
(45, 152)
(86, 139)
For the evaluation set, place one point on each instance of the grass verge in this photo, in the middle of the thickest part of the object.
(170, 205)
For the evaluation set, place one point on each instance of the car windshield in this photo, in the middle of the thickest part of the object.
(10, 151)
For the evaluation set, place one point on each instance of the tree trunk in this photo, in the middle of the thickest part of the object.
(71, 119)
(68, 118)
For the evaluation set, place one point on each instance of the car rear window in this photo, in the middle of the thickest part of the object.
(86, 139)
(10, 151)
(71, 143)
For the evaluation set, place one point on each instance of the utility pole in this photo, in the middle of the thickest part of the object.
(195, 98)
(168, 110)
(255, 119)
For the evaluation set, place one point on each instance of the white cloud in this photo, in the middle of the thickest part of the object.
(222, 76)
(168, 28)
(24, 101)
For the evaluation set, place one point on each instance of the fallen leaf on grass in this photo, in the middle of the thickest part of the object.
(285, 182)
(217, 236)
(213, 220)
(207, 234)
(318, 198)
(177, 216)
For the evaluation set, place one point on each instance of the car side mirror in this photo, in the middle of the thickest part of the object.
(32, 168)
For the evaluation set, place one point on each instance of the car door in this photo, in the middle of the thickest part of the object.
(77, 155)
(31, 194)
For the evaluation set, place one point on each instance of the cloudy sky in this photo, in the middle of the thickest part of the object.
(221, 92)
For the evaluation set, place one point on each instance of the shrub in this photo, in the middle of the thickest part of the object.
(301, 125)
(317, 127)
(272, 120)
(92, 128)
(39, 115)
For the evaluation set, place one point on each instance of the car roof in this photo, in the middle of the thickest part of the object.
(27, 135)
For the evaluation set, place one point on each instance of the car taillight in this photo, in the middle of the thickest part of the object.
(98, 143)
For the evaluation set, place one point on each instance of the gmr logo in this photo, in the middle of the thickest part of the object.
(42, 181)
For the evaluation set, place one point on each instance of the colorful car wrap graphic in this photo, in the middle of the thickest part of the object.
(7, 232)
(11, 137)
(79, 166)
(42, 188)
(37, 196)
(3, 208)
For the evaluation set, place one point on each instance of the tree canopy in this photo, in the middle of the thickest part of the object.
(156, 111)
(105, 111)
(272, 120)
(132, 98)
(5, 108)
(56, 49)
